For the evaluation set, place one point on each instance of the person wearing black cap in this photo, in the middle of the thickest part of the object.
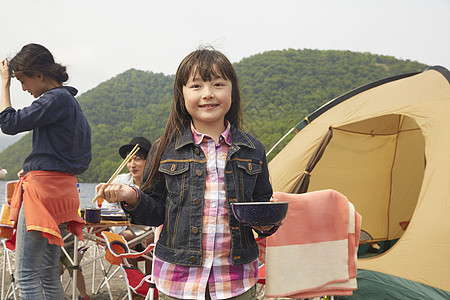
(136, 166)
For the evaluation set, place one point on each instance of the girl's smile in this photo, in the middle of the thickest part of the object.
(209, 105)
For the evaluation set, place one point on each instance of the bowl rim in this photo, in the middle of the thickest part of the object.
(258, 203)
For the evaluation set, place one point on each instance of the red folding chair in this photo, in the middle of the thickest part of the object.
(139, 283)
(117, 254)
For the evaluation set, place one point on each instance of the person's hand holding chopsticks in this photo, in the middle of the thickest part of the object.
(119, 169)
(116, 192)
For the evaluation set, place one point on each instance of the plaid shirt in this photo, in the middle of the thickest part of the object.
(224, 279)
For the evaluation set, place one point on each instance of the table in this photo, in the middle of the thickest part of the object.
(90, 232)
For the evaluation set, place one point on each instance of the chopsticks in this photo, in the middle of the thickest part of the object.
(122, 165)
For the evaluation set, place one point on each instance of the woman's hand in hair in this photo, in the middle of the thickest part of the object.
(4, 72)
(116, 192)
(6, 83)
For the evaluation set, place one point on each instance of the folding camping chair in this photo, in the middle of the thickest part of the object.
(67, 257)
(9, 247)
(138, 283)
(117, 254)
(7, 233)
(107, 273)
(99, 251)
(98, 259)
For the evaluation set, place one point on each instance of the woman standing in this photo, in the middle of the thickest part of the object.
(46, 198)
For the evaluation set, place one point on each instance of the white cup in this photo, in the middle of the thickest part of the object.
(3, 173)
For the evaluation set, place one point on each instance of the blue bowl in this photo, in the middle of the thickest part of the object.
(260, 213)
(92, 215)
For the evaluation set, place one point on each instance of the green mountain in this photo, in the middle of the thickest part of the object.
(279, 88)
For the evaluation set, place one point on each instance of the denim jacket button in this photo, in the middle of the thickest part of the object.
(196, 151)
(193, 259)
(194, 230)
(199, 172)
(197, 201)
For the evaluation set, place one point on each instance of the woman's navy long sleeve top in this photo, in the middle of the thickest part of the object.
(61, 132)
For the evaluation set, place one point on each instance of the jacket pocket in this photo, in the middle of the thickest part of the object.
(176, 175)
(249, 171)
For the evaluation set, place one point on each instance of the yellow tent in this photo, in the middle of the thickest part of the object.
(386, 146)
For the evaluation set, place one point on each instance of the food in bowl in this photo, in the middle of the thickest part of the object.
(260, 213)
(113, 215)
(92, 215)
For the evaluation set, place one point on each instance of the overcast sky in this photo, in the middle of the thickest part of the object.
(98, 39)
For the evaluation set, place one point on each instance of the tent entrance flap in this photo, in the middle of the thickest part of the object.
(302, 184)
(379, 165)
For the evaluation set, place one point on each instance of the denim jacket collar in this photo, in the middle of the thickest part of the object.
(238, 138)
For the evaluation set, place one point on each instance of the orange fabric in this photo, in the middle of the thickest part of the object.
(115, 253)
(5, 217)
(110, 237)
(49, 198)
(99, 200)
(10, 187)
(114, 260)
(6, 232)
(6, 226)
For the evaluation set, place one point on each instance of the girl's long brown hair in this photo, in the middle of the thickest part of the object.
(208, 64)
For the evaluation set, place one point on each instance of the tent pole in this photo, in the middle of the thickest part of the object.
(276, 144)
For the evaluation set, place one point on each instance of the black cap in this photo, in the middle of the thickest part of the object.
(144, 146)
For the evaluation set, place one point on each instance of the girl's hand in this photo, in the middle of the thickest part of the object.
(116, 192)
(265, 228)
(4, 72)
(20, 174)
(268, 228)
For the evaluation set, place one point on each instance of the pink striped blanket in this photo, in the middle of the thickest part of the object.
(314, 252)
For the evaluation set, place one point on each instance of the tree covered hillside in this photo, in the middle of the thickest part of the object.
(278, 89)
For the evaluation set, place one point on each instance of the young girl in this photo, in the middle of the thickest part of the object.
(46, 198)
(201, 164)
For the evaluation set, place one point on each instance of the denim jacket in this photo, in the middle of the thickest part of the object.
(177, 199)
